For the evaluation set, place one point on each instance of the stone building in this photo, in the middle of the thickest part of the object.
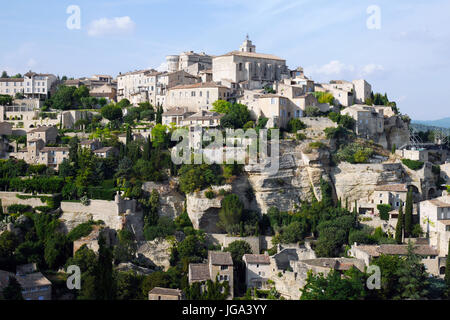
(362, 90)
(249, 69)
(158, 293)
(150, 85)
(219, 266)
(32, 85)
(47, 134)
(257, 270)
(190, 61)
(369, 121)
(368, 253)
(435, 221)
(176, 116)
(196, 97)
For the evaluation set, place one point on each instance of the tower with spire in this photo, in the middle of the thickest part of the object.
(247, 45)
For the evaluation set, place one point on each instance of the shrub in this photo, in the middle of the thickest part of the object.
(384, 211)
(80, 231)
(294, 125)
(316, 145)
(19, 208)
(354, 153)
(312, 111)
(210, 194)
(413, 164)
(300, 136)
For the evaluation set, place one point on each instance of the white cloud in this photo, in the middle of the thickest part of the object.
(162, 67)
(333, 68)
(105, 26)
(336, 69)
(371, 68)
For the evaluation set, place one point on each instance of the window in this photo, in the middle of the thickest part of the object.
(223, 267)
(381, 201)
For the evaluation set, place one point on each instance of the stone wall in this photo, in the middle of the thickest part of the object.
(258, 244)
(156, 251)
(74, 213)
(9, 198)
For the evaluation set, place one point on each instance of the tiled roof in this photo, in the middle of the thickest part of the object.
(32, 280)
(252, 55)
(104, 149)
(11, 79)
(198, 85)
(41, 129)
(57, 149)
(198, 272)
(397, 249)
(204, 115)
(257, 258)
(401, 187)
(439, 203)
(219, 258)
(166, 291)
(178, 111)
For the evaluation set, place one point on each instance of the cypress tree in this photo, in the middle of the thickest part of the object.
(147, 154)
(408, 214)
(104, 279)
(129, 137)
(399, 227)
(447, 272)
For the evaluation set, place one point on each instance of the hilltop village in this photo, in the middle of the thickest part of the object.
(86, 180)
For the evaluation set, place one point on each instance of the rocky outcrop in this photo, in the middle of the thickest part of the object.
(204, 212)
(171, 202)
(297, 179)
(358, 181)
(157, 252)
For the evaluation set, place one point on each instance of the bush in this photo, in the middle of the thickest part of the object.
(316, 145)
(294, 125)
(210, 194)
(311, 111)
(384, 211)
(300, 136)
(354, 153)
(413, 164)
(19, 208)
(80, 231)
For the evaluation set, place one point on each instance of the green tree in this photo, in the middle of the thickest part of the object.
(413, 278)
(399, 227)
(111, 112)
(294, 125)
(334, 287)
(409, 214)
(230, 212)
(123, 103)
(13, 291)
(105, 288)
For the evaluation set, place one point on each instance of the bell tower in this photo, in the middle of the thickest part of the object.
(247, 45)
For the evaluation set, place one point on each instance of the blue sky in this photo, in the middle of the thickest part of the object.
(408, 57)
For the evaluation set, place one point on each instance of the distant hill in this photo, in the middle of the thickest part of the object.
(443, 123)
(424, 127)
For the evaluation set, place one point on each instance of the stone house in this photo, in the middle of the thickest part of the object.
(175, 115)
(158, 293)
(369, 121)
(91, 144)
(37, 153)
(367, 253)
(435, 221)
(48, 134)
(196, 97)
(219, 266)
(257, 270)
(247, 67)
(106, 152)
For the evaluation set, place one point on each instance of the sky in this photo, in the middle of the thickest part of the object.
(400, 47)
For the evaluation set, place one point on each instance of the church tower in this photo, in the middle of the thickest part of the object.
(247, 46)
